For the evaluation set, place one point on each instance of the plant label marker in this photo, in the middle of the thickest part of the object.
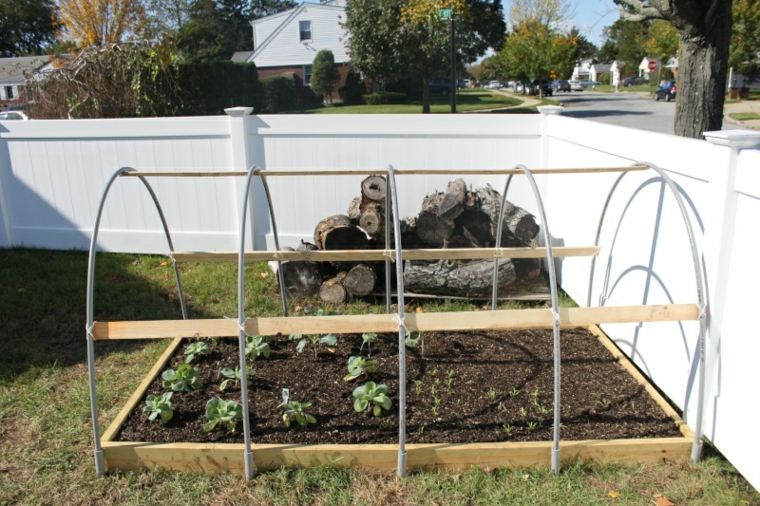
(285, 395)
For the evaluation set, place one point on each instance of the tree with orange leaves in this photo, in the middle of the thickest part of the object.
(98, 22)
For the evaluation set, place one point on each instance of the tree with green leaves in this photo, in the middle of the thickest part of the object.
(745, 41)
(324, 74)
(27, 27)
(624, 42)
(395, 39)
(662, 40)
(584, 48)
(704, 31)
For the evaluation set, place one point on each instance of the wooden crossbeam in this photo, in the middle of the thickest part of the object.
(365, 172)
(374, 254)
(426, 322)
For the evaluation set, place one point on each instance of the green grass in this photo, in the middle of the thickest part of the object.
(608, 88)
(744, 116)
(467, 100)
(45, 450)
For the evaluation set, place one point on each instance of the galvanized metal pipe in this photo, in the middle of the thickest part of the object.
(499, 232)
(555, 317)
(696, 449)
(401, 461)
(388, 246)
(247, 452)
(280, 274)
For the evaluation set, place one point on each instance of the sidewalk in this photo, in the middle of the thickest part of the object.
(527, 102)
(744, 106)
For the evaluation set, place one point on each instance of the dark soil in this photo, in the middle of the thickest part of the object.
(467, 387)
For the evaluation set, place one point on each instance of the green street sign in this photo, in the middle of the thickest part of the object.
(444, 13)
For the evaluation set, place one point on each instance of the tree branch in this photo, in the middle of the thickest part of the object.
(638, 10)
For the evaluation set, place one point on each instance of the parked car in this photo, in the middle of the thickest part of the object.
(541, 86)
(519, 87)
(493, 85)
(633, 81)
(7, 115)
(562, 86)
(666, 91)
(439, 87)
(576, 85)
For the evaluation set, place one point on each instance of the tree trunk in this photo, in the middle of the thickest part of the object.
(425, 96)
(702, 68)
(468, 279)
(518, 223)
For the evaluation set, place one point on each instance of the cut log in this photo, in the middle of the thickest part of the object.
(372, 218)
(452, 204)
(360, 280)
(337, 232)
(302, 278)
(519, 222)
(333, 291)
(353, 209)
(468, 279)
(373, 188)
(431, 228)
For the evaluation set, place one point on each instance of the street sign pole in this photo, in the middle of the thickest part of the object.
(453, 69)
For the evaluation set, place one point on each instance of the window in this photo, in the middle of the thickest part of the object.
(304, 29)
(9, 92)
(307, 75)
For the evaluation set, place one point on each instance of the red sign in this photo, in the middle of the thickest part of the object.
(652, 66)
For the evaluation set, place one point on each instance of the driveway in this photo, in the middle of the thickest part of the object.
(636, 110)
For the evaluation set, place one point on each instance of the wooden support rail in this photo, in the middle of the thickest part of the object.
(425, 322)
(365, 172)
(377, 255)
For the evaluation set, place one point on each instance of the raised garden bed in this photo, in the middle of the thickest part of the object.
(473, 398)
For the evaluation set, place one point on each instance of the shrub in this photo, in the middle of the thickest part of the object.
(385, 97)
(351, 92)
(324, 74)
(209, 87)
(279, 94)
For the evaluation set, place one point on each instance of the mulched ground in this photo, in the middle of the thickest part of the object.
(467, 387)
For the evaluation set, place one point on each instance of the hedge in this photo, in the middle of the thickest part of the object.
(385, 97)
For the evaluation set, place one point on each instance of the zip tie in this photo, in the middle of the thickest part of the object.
(555, 315)
(241, 327)
(401, 323)
(498, 252)
(702, 312)
(389, 253)
(89, 329)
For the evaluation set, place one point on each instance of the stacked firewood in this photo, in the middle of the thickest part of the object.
(459, 217)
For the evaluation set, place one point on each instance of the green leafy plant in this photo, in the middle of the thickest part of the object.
(316, 340)
(257, 346)
(194, 350)
(233, 377)
(514, 392)
(491, 394)
(506, 428)
(412, 342)
(296, 411)
(358, 366)
(182, 379)
(368, 338)
(371, 396)
(159, 406)
(222, 412)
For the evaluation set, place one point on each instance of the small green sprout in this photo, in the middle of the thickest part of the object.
(506, 428)
(194, 350)
(358, 366)
(233, 377)
(159, 406)
(491, 394)
(257, 346)
(316, 340)
(183, 379)
(371, 395)
(412, 342)
(514, 392)
(368, 338)
(296, 411)
(221, 412)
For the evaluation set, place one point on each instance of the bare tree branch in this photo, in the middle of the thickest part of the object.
(639, 10)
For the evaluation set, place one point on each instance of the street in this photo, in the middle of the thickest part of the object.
(630, 109)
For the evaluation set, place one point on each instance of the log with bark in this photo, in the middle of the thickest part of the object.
(465, 279)
(337, 233)
(302, 278)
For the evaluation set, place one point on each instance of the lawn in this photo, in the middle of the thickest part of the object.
(467, 100)
(46, 457)
(608, 88)
(744, 116)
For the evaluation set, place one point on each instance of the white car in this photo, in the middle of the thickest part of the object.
(577, 86)
(8, 115)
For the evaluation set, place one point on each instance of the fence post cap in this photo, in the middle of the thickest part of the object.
(550, 109)
(741, 139)
(238, 111)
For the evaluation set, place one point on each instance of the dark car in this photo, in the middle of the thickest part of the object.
(633, 81)
(666, 91)
(562, 86)
(439, 86)
(543, 86)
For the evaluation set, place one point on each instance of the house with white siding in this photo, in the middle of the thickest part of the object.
(286, 43)
(13, 74)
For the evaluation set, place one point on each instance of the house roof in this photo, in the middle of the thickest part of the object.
(291, 14)
(602, 67)
(12, 69)
(241, 56)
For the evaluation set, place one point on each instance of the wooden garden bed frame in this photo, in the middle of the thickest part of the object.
(228, 457)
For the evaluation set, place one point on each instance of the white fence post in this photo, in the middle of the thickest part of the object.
(241, 160)
(719, 239)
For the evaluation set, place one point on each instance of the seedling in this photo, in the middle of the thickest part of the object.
(514, 392)
(371, 396)
(183, 379)
(257, 346)
(159, 406)
(368, 338)
(418, 387)
(532, 425)
(506, 428)
(194, 350)
(221, 412)
(412, 342)
(233, 377)
(303, 342)
(358, 366)
(491, 394)
(296, 411)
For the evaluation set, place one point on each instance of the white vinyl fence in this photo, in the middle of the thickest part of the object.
(53, 172)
